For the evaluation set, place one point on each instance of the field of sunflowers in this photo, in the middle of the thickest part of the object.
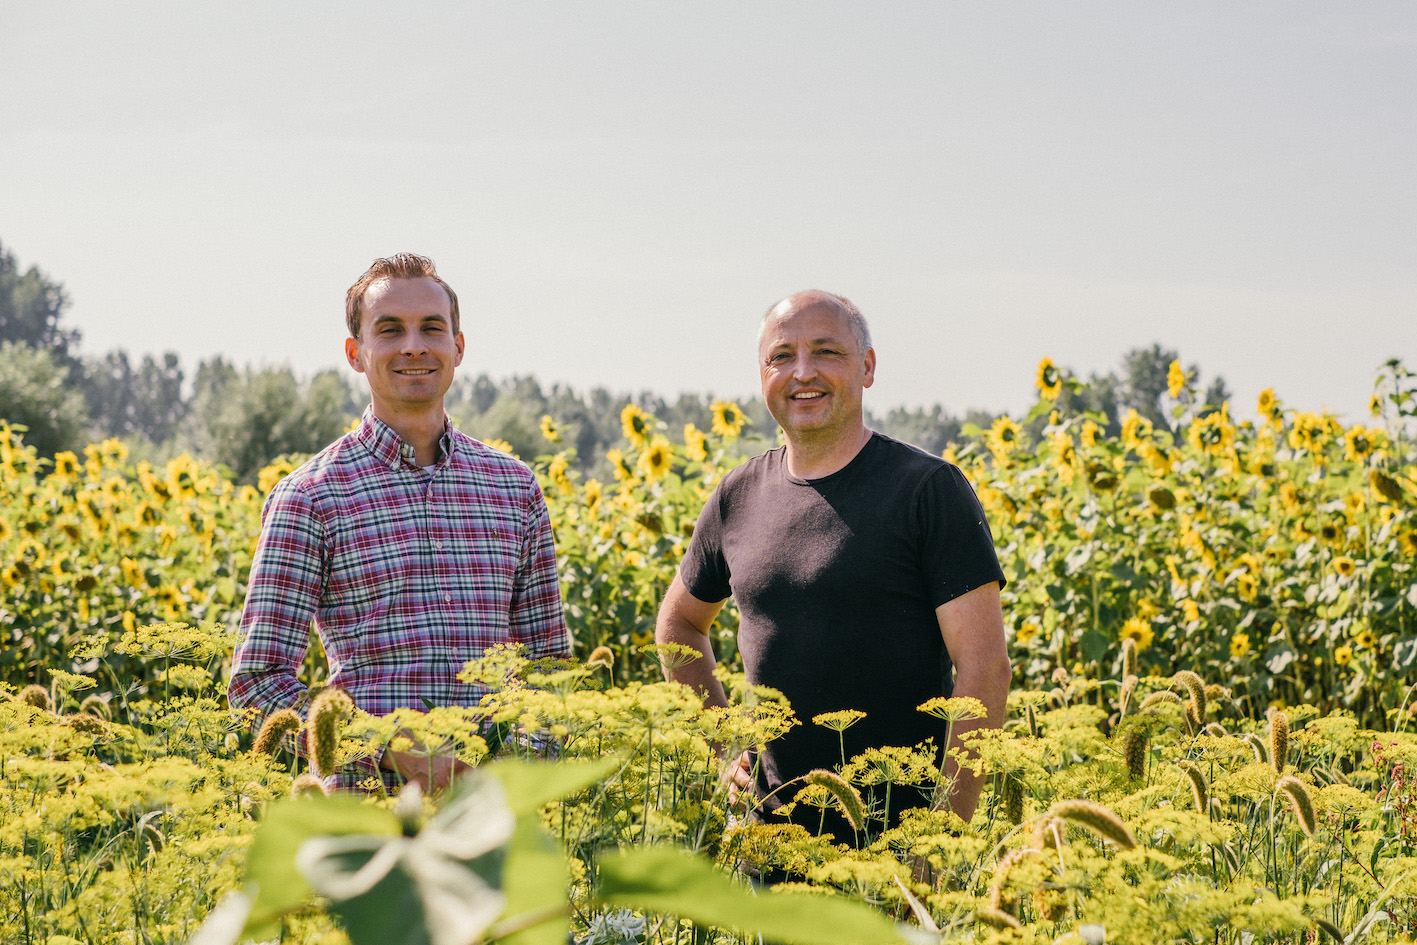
(1213, 624)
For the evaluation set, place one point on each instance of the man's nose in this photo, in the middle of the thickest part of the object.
(804, 367)
(415, 342)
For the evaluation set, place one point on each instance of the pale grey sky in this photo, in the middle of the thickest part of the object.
(618, 190)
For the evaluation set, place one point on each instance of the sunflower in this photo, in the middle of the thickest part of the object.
(1088, 436)
(1343, 655)
(556, 472)
(1344, 565)
(622, 469)
(1269, 406)
(1139, 630)
(728, 420)
(549, 430)
(1136, 430)
(1213, 433)
(1308, 433)
(593, 493)
(1239, 645)
(501, 445)
(1375, 405)
(656, 461)
(1407, 539)
(1359, 443)
(1175, 380)
(1366, 639)
(1247, 587)
(694, 443)
(1049, 380)
(1190, 610)
(636, 424)
(1027, 631)
(1385, 486)
(1003, 437)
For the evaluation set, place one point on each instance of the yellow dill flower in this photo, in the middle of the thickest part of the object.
(840, 720)
(1359, 443)
(1343, 655)
(636, 424)
(1139, 631)
(548, 429)
(1175, 380)
(657, 460)
(1344, 565)
(1049, 380)
(728, 419)
(1239, 645)
(695, 443)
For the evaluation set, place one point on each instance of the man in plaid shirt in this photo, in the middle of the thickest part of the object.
(412, 546)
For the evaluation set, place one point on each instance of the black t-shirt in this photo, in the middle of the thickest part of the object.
(837, 580)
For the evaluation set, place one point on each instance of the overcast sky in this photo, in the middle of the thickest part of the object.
(618, 190)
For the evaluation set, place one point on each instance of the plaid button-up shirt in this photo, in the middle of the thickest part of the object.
(408, 573)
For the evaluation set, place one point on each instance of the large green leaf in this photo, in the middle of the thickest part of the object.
(532, 785)
(270, 865)
(535, 880)
(670, 881)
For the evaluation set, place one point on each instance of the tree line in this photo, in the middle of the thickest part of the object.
(245, 417)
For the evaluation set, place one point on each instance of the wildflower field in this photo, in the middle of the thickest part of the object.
(1213, 626)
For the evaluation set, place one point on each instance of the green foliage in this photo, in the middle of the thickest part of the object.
(35, 394)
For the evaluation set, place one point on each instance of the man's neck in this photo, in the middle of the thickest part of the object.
(807, 459)
(422, 431)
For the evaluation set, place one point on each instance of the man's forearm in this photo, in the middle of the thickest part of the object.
(992, 689)
(697, 673)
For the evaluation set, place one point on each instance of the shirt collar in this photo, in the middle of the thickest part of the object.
(389, 448)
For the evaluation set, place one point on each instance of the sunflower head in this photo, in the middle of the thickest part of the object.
(1175, 380)
(549, 429)
(1344, 565)
(636, 424)
(1139, 631)
(1049, 380)
(656, 461)
(728, 419)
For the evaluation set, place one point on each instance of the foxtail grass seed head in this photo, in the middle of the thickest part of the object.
(36, 696)
(278, 724)
(1195, 687)
(1333, 931)
(1046, 832)
(1258, 746)
(1031, 717)
(1128, 691)
(1057, 698)
(1158, 699)
(1136, 746)
(1098, 819)
(88, 724)
(1278, 738)
(307, 784)
(330, 708)
(998, 918)
(1000, 896)
(1300, 802)
(601, 656)
(847, 798)
(1216, 729)
(1013, 798)
(94, 705)
(1232, 859)
(1129, 658)
(1200, 788)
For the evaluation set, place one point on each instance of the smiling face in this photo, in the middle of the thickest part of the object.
(406, 347)
(813, 370)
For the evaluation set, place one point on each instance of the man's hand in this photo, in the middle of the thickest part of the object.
(431, 772)
(738, 775)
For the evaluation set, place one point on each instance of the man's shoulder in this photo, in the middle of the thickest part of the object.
(336, 463)
(906, 456)
(489, 461)
(752, 472)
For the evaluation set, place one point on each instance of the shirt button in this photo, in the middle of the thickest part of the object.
(448, 598)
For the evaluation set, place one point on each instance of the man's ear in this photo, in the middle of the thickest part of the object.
(870, 377)
(461, 343)
(351, 353)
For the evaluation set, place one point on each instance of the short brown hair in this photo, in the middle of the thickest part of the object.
(397, 266)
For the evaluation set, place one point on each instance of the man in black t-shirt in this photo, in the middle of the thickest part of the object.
(863, 568)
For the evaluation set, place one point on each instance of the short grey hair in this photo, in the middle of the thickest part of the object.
(855, 321)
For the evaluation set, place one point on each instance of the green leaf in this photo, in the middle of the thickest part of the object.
(663, 880)
(531, 785)
(1040, 409)
(1094, 645)
(535, 880)
(270, 865)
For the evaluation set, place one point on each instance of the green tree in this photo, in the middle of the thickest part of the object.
(31, 305)
(35, 392)
(146, 402)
